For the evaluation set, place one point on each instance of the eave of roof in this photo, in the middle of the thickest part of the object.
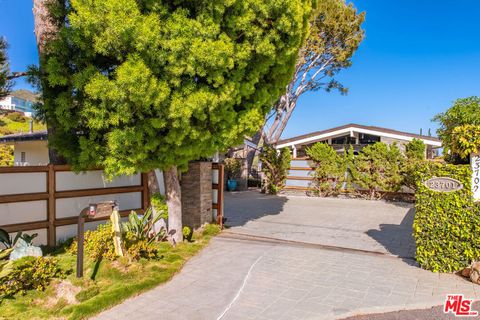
(29, 136)
(353, 126)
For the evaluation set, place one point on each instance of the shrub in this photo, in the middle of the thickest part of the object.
(275, 166)
(415, 150)
(378, 168)
(137, 249)
(6, 155)
(330, 169)
(233, 168)
(143, 228)
(98, 243)
(187, 233)
(464, 111)
(159, 204)
(29, 273)
(447, 224)
(16, 116)
(466, 140)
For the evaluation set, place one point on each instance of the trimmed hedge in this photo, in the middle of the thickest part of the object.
(447, 225)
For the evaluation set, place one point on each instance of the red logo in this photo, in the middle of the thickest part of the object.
(459, 306)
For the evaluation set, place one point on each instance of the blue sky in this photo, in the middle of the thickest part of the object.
(418, 56)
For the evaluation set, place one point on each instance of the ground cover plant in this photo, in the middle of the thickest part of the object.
(107, 280)
(447, 224)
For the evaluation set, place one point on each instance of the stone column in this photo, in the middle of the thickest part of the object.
(197, 194)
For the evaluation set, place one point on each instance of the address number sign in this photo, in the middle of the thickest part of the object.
(475, 162)
(444, 184)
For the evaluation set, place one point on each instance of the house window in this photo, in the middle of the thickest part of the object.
(343, 140)
(368, 138)
(22, 157)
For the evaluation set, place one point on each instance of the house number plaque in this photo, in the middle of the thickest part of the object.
(444, 184)
(475, 163)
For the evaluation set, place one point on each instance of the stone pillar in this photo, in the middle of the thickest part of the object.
(197, 194)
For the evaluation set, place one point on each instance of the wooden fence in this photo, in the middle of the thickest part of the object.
(46, 198)
(45, 195)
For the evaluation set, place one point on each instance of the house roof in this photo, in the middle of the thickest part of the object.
(29, 136)
(385, 132)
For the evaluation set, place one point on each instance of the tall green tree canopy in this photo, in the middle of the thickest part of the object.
(464, 111)
(5, 82)
(132, 85)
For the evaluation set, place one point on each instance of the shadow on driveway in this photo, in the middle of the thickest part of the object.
(242, 207)
(397, 239)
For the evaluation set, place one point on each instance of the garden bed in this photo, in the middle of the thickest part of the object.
(105, 283)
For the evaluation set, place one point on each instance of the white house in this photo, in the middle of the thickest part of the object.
(341, 138)
(30, 149)
(18, 104)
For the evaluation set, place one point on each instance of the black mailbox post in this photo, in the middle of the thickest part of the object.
(95, 211)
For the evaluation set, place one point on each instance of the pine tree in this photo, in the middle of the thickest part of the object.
(5, 82)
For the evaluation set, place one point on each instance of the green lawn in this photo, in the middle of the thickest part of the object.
(105, 284)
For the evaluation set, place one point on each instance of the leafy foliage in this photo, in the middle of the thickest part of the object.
(446, 224)
(464, 111)
(233, 168)
(466, 140)
(136, 85)
(275, 165)
(415, 149)
(6, 156)
(143, 228)
(98, 243)
(159, 205)
(335, 34)
(29, 273)
(5, 83)
(9, 241)
(378, 168)
(330, 169)
(16, 116)
(139, 248)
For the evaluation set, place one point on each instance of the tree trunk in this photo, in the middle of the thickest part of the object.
(253, 152)
(45, 30)
(174, 204)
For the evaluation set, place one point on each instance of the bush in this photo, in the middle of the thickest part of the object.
(233, 168)
(137, 249)
(16, 116)
(415, 150)
(275, 166)
(378, 168)
(29, 273)
(330, 169)
(98, 243)
(466, 140)
(464, 111)
(446, 225)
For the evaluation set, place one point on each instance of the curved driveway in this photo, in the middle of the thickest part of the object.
(300, 258)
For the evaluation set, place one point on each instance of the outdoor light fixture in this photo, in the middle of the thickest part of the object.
(92, 209)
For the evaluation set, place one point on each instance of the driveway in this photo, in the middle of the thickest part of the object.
(300, 258)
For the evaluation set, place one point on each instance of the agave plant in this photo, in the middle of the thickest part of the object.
(9, 242)
(143, 227)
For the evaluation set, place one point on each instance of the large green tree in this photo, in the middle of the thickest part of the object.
(335, 34)
(465, 111)
(134, 85)
(5, 82)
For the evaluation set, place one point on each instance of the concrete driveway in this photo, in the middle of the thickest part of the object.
(300, 258)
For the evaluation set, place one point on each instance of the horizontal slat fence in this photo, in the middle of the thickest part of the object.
(38, 209)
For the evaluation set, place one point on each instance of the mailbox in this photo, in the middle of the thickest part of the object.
(94, 211)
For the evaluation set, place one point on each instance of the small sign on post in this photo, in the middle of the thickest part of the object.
(475, 163)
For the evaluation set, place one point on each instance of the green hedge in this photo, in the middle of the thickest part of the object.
(447, 225)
